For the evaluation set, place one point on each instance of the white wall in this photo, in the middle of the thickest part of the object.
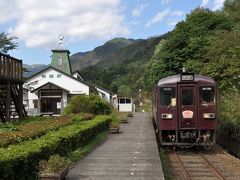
(71, 84)
(77, 75)
(125, 107)
(107, 95)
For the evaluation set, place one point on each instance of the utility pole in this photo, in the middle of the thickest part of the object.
(140, 97)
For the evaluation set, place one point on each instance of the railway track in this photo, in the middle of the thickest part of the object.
(189, 165)
(205, 169)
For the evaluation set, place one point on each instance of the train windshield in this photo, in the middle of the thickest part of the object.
(187, 97)
(168, 96)
(207, 96)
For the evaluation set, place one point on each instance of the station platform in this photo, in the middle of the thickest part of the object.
(131, 154)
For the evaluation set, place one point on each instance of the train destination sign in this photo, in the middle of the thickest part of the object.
(187, 77)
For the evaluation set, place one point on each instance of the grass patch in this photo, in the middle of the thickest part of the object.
(164, 162)
(146, 107)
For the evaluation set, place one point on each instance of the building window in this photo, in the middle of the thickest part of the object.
(59, 76)
(128, 101)
(43, 75)
(51, 76)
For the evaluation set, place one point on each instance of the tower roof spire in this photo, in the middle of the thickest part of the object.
(60, 43)
(60, 57)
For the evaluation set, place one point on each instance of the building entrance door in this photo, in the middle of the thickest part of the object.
(51, 105)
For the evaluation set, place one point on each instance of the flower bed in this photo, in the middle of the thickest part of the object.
(32, 130)
(36, 127)
(19, 161)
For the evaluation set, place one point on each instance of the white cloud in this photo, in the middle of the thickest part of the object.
(177, 13)
(7, 11)
(204, 3)
(39, 23)
(165, 1)
(158, 17)
(139, 10)
(172, 22)
(217, 4)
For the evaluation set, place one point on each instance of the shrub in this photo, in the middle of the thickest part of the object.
(19, 161)
(229, 126)
(88, 104)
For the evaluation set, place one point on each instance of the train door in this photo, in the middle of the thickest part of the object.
(187, 106)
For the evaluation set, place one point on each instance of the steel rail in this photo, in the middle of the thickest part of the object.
(213, 168)
(184, 171)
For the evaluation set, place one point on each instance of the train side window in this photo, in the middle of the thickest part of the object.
(187, 97)
(207, 96)
(168, 96)
(122, 101)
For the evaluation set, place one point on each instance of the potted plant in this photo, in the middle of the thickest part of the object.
(123, 117)
(55, 168)
(114, 125)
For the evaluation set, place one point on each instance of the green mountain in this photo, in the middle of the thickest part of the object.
(32, 69)
(81, 60)
(121, 70)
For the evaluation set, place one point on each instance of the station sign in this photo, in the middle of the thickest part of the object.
(187, 77)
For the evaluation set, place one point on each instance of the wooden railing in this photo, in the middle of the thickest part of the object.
(10, 68)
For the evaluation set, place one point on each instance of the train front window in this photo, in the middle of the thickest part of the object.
(167, 96)
(207, 96)
(187, 97)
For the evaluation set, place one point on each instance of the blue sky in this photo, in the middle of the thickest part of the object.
(87, 24)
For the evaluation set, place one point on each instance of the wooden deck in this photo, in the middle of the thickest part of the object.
(10, 68)
(131, 154)
(11, 90)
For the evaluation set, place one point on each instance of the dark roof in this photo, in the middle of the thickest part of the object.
(99, 87)
(50, 67)
(50, 84)
(177, 78)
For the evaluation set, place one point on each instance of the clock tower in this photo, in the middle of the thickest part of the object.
(60, 58)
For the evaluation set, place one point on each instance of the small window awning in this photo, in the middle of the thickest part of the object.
(49, 86)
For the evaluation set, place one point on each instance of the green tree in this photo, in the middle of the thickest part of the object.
(7, 43)
(189, 41)
(232, 9)
(124, 91)
(223, 56)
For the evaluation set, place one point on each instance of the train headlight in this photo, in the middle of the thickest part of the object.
(167, 116)
(209, 115)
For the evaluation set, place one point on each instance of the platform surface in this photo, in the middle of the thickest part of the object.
(132, 154)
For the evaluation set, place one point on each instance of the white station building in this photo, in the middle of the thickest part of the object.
(49, 90)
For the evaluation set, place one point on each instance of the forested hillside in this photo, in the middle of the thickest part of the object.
(122, 71)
